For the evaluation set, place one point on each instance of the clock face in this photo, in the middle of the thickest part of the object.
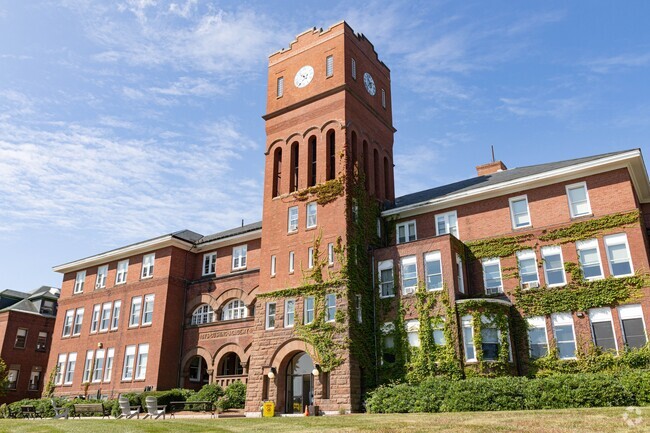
(303, 76)
(370, 84)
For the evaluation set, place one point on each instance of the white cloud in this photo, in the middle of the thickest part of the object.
(606, 65)
(189, 86)
(559, 108)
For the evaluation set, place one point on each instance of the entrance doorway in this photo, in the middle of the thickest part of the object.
(300, 383)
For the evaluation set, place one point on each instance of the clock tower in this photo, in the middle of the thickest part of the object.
(328, 125)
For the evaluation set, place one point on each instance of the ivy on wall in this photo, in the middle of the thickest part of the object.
(590, 228)
(325, 192)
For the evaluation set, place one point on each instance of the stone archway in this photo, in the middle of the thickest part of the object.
(197, 369)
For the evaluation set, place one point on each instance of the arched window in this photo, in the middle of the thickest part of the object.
(375, 164)
(311, 152)
(295, 164)
(353, 157)
(386, 179)
(331, 155)
(203, 314)
(235, 309)
(277, 172)
(198, 370)
(366, 164)
(230, 365)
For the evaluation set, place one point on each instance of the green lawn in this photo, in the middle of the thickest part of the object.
(556, 421)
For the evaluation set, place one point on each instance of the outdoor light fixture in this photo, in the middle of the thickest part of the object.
(316, 370)
(271, 373)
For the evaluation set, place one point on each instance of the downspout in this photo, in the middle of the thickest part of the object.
(374, 316)
(186, 283)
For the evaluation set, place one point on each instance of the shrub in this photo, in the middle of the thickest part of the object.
(164, 397)
(42, 405)
(209, 392)
(234, 396)
(394, 398)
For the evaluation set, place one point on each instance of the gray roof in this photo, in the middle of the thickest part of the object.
(13, 294)
(491, 179)
(187, 235)
(26, 304)
(44, 292)
(232, 232)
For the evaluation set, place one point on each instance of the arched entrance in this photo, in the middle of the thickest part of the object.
(230, 370)
(300, 383)
(198, 374)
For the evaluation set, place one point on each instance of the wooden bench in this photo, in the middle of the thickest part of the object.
(30, 412)
(90, 409)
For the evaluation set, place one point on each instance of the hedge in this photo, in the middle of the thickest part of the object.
(560, 391)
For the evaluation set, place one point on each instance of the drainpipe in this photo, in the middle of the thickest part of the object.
(186, 283)
(374, 315)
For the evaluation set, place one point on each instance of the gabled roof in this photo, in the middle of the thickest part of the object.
(9, 293)
(26, 304)
(231, 233)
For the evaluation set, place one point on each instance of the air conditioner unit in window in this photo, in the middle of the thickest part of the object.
(409, 290)
(531, 285)
(492, 290)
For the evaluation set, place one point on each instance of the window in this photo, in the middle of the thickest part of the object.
(108, 371)
(519, 212)
(34, 379)
(147, 311)
(99, 366)
(293, 219)
(21, 338)
(122, 269)
(12, 378)
(492, 276)
(60, 367)
(564, 335)
(633, 326)
(309, 310)
(330, 254)
(433, 269)
(239, 257)
(136, 307)
(528, 269)
(468, 338)
(439, 334)
(195, 369)
(313, 160)
(330, 307)
(331, 155)
(537, 337)
(79, 282)
(280, 87)
(459, 271)
(406, 232)
(589, 256)
(235, 309)
(270, 315)
(100, 282)
(310, 257)
(87, 366)
(69, 371)
(48, 307)
(386, 281)
(618, 255)
(383, 98)
(273, 263)
(67, 323)
(578, 200)
(311, 214)
(141, 364)
(147, 265)
(78, 321)
(409, 271)
(553, 266)
(329, 66)
(106, 317)
(358, 308)
(94, 320)
(41, 343)
(413, 332)
(289, 312)
(209, 263)
(117, 306)
(489, 342)
(292, 260)
(203, 314)
(295, 167)
(354, 69)
(129, 359)
(603, 328)
(447, 223)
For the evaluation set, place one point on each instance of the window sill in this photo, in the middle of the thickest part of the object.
(19, 348)
(238, 269)
(579, 217)
(386, 297)
(119, 284)
(146, 278)
(311, 228)
(292, 232)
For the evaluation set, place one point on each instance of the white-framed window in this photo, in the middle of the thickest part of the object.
(136, 308)
(492, 276)
(468, 338)
(330, 254)
(537, 337)
(147, 310)
(329, 66)
(589, 255)
(310, 257)
(21, 338)
(578, 199)
(69, 369)
(553, 266)
(99, 366)
(413, 332)
(78, 321)
(519, 213)
(94, 320)
(406, 232)
(202, 314)
(239, 257)
(79, 282)
(209, 263)
(618, 255)
(330, 307)
(292, 262)
(490, 340)
(354, 69)
(564, 335)
(633, 325)
(383, 98)
(312, 209)
(102, 272)
(433, 269)
(409, 272)
(438, 330)
(386, 279)
(147, 265)
(67, 323)
(270, 315)
(60, 369)
(447, 223)
(235, 309)
(129, 360)
(141, 363)
(122, 269)
(41, 342)
(293, 219)
(108, 371)
(280, 87)
(459, 271)
(273, 265)
(602, 328)
(117, 307)
(87, 366)
(309, 310)
(289, 313)
(106, 317)
(528, 275)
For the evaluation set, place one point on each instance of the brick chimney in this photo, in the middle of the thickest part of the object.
(490, 167)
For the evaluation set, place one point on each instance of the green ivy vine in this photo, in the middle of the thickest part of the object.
(590, 228)
(325, 192)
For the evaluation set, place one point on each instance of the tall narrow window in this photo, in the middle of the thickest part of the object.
(354, 69)
(578, 200)
(78, 321)
(312, 208)
(100, 282)
(293, 219)
(618, 255)
(21, 338)
(433, 269)
(602, 328)
(99, 366)
(330, 307)
(289, 312)
(409, 273)
(537, 337)
(41, 343)
(553, 266)
(366, 165)
(468, 338)
(359, 308)
(459, 271)
(528, 269)
(147, 265)
(292, 261)
(129, 359)
(331, 155)
(67, 323)
(310, 257)
(589, 256)
(492, 276)
(633, 326)
(122, 269)
(87, 366)
(383, 98)
(117, 306)
(354, 157)
(106, 316)
(295, 165)
(330, 254)
(273, 263)
(490, 339)
(309, 310)
(386, 178)
(141, 364)
(329, 66)
(94, 320)
(147, 310)
(280, 87)
(69, 370)
(519, 212)
(239, 257)
(108, 371)
(311, 153)
(136, 308)
(209, 263)
(564, 335)
(413, 332)
(270, 315)
(277, 172)
(79, 282)
(60, 367)
(386, 281)
(375, 170)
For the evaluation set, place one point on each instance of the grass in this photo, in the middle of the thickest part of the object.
(547, 421)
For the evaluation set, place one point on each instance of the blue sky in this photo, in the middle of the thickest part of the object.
(121, 121)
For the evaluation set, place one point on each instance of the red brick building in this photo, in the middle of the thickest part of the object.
(303, 306)
(26, 325)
